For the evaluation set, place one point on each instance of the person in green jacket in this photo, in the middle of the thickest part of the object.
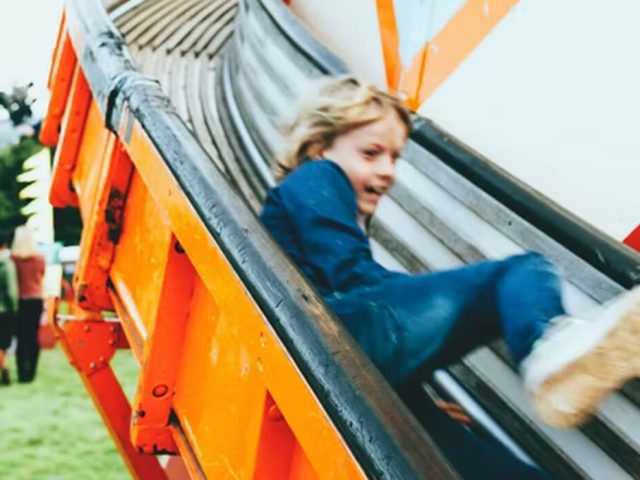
(8, 304)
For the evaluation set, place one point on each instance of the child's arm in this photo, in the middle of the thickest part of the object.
(320, 207)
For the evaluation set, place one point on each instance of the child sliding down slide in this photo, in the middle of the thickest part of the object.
(340, 159)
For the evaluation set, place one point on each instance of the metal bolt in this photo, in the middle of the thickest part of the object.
(92, 365)
(275, 415)
(87, 328)
(160, 390)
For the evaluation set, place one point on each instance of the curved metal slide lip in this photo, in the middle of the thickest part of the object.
(384, 438)
(299, 36)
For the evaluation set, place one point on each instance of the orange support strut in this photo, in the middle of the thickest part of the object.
(90, 343)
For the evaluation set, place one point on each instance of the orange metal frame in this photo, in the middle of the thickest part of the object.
(217, 389)
(439, 57)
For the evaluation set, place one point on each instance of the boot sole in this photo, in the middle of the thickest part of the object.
(567, 398)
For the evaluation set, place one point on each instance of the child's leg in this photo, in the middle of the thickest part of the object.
(474, 457)
(515, 297)
(434, 319)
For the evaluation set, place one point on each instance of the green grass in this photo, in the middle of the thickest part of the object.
(50, 429)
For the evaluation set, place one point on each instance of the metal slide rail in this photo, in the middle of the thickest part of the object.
(450, 206)
(461, 222)
(244, 371)
(439, 215)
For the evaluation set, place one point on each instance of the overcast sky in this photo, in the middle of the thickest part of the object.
(27, 37)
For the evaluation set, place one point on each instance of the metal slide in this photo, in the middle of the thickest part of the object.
(232, 70)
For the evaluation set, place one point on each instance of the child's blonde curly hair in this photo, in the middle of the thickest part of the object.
(337, 106)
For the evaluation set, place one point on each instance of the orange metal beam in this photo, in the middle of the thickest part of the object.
(138, 268)
(279, 454)
(412, 77)
(150, 431)
(90, 344)
(57, 51)
(88, 174)
(136, 342)
(390, 42)
(101, 230)
(439, 57)
(460, 36)
(62, 192)
(60, 77)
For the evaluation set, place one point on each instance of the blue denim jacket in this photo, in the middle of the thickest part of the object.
(404, 321)
(312, 214)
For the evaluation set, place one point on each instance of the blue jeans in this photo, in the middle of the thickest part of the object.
(417, 323)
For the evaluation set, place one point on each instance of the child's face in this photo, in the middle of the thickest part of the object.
(368, 156)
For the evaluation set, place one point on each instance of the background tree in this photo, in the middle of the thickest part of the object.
(66, 221)
(17, 104)
(12, 159)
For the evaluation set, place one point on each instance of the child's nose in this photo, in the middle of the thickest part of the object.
(387, 167)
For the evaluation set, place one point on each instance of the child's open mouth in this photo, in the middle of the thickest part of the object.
(374, 191)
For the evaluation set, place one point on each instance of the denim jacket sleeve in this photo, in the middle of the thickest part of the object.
(319, 204)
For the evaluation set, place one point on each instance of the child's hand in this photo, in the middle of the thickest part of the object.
(455, 411)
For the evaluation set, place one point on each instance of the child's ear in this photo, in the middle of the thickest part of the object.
(316, 150)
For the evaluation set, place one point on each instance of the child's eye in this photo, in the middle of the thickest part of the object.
(370, 153)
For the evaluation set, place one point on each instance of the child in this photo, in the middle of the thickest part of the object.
(339, 160)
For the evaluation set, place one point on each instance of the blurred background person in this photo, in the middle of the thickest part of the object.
(8, 304)
(30, 266)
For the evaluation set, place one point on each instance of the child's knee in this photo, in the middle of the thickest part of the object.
(530, 270)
